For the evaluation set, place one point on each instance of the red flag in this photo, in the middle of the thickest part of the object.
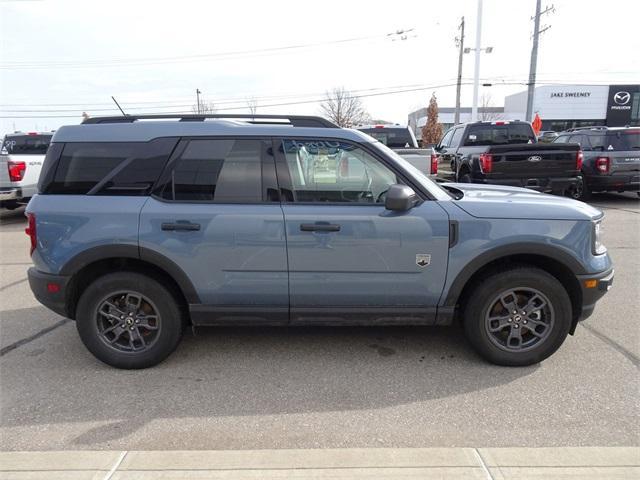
(537, 124)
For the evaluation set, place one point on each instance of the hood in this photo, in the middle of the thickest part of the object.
(495, 201)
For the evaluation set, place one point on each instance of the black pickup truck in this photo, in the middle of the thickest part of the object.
(507, 153)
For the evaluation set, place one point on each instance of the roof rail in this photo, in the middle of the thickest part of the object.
(593, 127)
(294, 120)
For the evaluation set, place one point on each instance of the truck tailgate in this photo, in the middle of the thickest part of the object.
(4, 173)
(624, 162)
(534, 160)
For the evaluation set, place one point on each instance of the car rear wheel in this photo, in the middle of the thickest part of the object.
(517, 317)
(465, 177)
(129, 320)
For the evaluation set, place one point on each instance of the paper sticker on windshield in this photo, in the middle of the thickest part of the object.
(423, 259)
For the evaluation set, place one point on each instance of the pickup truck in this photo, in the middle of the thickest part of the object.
(402, 141)
(507, 153)
(21, 159)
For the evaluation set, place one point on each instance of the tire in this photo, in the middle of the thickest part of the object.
(499, 347)
(465, 177)
(581, 192)
(114, 295)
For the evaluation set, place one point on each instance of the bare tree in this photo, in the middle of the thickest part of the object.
(484, 113)
(205, 107)
(252, 105)
(432, 130)
(343, 108)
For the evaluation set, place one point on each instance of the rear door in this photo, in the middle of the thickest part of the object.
(216, 215)
(350, 259)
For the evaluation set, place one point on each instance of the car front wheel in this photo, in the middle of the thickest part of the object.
(129, 320)
(518, 317)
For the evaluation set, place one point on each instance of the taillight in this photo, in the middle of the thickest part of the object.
(31, 231)
(434, 164)
(579, 159)
(16, 170)
(486, 162)
(603, 164)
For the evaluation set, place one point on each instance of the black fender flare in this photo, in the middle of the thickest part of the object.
(104, 252)
(522, 248)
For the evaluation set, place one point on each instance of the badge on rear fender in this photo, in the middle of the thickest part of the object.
(423, 259)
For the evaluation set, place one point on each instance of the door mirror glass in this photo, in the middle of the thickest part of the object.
(400, 198)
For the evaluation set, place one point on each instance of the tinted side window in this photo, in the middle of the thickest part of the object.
(220, 170)
(335, 171)
(445, 142)
(115, 168)
(457, 136)
(561, 139)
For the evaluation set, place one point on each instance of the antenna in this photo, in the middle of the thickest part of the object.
(118, 105)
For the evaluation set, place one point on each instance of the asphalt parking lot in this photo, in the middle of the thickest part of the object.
(321, 387)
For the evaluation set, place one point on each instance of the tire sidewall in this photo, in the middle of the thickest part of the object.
(170, 319)
(485, 293)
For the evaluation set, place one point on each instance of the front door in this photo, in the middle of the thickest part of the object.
(350, 259)
(216, 217)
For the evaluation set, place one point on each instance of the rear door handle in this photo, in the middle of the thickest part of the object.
(181, 225)
(319, 227)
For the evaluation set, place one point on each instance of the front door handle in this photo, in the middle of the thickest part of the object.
(181, 225)
(319, 227)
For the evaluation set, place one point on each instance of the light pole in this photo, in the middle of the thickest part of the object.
(476, 74)
(476, 80)
(534, 56)
(198, 92)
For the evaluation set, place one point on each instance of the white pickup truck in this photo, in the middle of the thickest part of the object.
(402, 141)
(21, 159)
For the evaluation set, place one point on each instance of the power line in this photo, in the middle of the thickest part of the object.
(19, 65)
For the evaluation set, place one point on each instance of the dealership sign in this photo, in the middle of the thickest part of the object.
(622, 99)
(570, 94)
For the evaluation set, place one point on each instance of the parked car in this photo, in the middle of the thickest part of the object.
(403, 142)
(611, 159)
(507, 153)
(547, 136)
(21, 158)
(141, 228)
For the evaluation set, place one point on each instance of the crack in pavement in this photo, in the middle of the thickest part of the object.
(612, 343)
(33, 337)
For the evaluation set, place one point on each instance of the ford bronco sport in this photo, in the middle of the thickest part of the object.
(141, 228)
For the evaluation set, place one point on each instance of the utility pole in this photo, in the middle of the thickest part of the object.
(456, 119)
(198, 92)
(476, 75)
(534, 56)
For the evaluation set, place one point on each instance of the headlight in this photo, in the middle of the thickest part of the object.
(598, 246)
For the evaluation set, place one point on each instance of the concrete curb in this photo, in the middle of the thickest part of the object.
(354, 463)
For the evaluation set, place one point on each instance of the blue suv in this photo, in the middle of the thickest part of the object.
(144, 225)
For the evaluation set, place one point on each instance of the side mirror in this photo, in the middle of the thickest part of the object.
(400, 198)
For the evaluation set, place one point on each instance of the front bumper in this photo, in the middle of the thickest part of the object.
(54, 298)
(594, 286)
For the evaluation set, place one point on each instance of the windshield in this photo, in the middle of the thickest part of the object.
(391, 137)
(616, 141)
(489, 134)
(26, 144)
(434, 189)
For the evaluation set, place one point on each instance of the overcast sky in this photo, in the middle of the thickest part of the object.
(60, 58)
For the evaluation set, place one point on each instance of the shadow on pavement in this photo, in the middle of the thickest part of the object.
(240, 372)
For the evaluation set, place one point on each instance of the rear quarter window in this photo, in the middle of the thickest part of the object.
(110, 168)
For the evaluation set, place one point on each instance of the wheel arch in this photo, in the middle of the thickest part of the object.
(557, 263)
(101, 260)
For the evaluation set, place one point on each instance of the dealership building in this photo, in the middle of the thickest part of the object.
(559, 106)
